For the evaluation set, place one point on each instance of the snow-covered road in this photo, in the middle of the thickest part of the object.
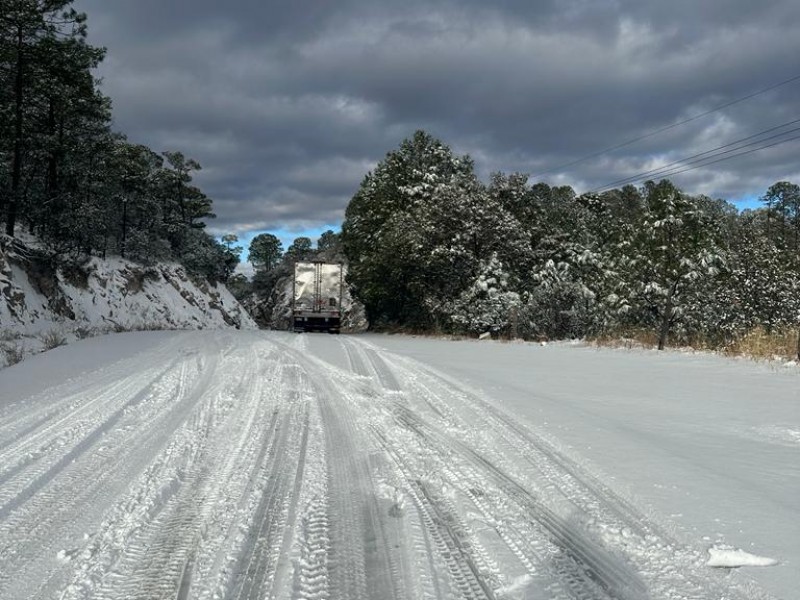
(272, 465)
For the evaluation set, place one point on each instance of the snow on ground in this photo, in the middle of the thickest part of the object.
(246, 464)
(705, 444)
(728, 557)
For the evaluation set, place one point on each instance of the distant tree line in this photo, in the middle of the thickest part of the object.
(430, 247)
(273, 269)
(65, 176)
(271, 263)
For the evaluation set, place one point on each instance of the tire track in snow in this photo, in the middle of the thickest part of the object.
(54, 502)
(79, 429)
(579, 570)
(445, 531)
(445, 538)
(584, 570)
(63, 506)
(311, 542)
(603, 539)
(254, 470)
(74, 411)
(359, 560)
(587, 509)
(171, 537)
(156, 563)
(274, 518)
(21, 418)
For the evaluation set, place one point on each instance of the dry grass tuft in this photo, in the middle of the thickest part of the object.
(632, 338)
(756, 344)
(762, 345)
(14, 353)
(52, 339)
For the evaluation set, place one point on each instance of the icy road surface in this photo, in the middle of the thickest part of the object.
(271, 465)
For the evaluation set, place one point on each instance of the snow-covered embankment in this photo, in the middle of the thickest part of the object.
(47, 300)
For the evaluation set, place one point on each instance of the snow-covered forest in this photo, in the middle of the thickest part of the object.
(432, 248)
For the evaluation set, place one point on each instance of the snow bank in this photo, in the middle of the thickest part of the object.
(42, 296)
(728, 557)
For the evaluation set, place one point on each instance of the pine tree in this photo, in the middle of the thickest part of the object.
(783, 206)
(389, 225)
(265, 252)
(419, 230)
(300, 249)
(488, 304)
(46, 81)
(676, 246)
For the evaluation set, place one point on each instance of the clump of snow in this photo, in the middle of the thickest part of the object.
(516, 586)
(728, 557)
(788, 435)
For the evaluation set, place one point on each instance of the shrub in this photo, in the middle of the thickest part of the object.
(52, 339)
(14, 353)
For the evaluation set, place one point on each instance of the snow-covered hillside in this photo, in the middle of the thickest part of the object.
(43, 296)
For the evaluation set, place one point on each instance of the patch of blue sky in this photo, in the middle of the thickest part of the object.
(286, 236)
(746, 202)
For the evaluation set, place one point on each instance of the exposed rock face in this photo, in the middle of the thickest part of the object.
(40, 292)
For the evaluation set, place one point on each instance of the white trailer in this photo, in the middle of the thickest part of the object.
(317, 299)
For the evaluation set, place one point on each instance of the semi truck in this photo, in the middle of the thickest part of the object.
(317, 298)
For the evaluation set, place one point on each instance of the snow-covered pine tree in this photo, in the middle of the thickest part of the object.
(488, 304)
(417, 230)
(674, 249)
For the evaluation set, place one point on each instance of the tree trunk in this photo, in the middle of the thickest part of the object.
(51, 181)
(124, 226)
(16, 165)
(798, 344)
(666, 321)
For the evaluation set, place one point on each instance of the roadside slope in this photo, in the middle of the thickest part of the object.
(41, 296)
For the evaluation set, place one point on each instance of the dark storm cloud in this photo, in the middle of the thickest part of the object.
(288, 105)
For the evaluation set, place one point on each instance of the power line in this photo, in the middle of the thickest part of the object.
(678, 171)
(791, 139)
(714, 152)
(667, 127)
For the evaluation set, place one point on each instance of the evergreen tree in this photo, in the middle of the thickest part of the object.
(676, 247)
(417, 230)
(329, 246)
(488, 304)
(81, 188)
(783, 206)
(266, 251)
(300, 249)
(47, 100)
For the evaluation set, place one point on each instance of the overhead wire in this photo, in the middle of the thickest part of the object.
(680, 170)
(702, 156)
(791, 139)
(668, 127)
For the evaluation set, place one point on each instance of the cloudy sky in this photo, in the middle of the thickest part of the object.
(287, 105)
